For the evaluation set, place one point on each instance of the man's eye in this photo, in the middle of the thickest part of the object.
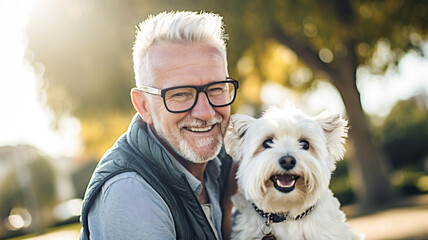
(181, 94)
(217, 89)
(216, 92)
(267, 143)
(304, 144)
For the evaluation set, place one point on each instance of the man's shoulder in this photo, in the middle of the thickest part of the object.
(129, 184)
(129, 178)
(129, 193)
(124, 204)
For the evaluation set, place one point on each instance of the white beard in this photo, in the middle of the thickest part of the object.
(186, 151)
(183, 148)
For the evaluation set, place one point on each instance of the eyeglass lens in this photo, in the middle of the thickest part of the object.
(183, 98)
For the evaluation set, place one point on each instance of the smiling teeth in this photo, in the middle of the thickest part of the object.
(205, 129)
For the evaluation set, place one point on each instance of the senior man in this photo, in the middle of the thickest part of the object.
(168, 176)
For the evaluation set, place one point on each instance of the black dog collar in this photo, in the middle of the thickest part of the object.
(279, 217)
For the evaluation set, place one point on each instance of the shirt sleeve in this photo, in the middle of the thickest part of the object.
(129, 208)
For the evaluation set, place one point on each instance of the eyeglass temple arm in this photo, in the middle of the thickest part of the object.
(150, 90)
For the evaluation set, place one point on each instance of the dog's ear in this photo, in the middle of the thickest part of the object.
(335, 130)
(239, 123)
(236, 131)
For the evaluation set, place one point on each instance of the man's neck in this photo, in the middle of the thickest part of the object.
(196, 169)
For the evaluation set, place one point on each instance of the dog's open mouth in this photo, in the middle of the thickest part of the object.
(284, 182)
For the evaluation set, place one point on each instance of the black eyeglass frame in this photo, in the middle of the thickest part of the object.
(200, 88)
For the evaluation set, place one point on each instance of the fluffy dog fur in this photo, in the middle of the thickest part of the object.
(269, 177)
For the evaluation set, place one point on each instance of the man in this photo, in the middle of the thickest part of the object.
(167, 176)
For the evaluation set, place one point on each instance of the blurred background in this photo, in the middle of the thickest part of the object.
(66, 72)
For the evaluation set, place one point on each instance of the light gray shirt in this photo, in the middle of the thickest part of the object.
(127, 204)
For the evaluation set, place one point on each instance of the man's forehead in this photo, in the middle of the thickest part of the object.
(186, 61)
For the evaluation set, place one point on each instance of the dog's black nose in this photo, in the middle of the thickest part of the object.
(287, 162)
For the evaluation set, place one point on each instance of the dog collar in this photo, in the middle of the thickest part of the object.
(279, 217)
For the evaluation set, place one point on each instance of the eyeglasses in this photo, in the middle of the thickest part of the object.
(183, 98)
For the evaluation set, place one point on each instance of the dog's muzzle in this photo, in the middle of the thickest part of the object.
(285, 182)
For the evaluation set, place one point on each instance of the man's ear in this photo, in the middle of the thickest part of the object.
(141, 104)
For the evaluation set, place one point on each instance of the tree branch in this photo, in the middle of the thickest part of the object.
(303, 52)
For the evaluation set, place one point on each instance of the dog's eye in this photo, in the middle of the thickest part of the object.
(304, 144)
(267, 143)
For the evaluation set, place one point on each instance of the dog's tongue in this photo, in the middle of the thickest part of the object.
(285, 181)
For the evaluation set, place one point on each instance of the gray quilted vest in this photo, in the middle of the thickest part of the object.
(137, 152)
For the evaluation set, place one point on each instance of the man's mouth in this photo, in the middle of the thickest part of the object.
(284, 182)
(200, 129)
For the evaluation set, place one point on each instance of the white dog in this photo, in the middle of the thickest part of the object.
(286, 160)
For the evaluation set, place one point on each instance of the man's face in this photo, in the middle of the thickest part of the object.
(197, 134)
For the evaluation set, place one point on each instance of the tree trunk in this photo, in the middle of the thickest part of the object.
(368, 163)
(368, 166)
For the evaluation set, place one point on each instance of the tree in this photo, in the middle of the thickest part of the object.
(336, 37)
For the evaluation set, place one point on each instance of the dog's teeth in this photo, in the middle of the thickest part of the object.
(285, 181)
(287, 185)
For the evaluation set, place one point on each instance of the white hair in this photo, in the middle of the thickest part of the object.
(175, 27)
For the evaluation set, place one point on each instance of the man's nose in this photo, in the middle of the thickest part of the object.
(203, 109)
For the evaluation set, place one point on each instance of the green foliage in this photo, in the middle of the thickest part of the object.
(408, 119)
(330, 24)
(340, 184)
(410, 180)
(405, 132)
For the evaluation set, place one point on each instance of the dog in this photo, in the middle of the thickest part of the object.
(286, 160)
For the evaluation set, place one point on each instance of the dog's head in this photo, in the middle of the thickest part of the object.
(286, 157)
